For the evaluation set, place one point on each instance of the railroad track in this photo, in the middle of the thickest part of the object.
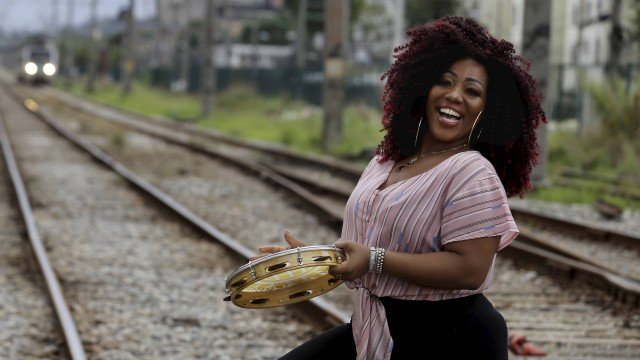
(601, 178)
(609, 254)
(140, 282)
(562, 303)
(36, 332)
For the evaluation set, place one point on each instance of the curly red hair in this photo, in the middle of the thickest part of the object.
(513, 107)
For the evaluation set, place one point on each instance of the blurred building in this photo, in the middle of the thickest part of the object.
(581, 51)
(524, 23)
(373, 34)
(247, 56)
(503, 18)
(179, 19)
(568, 43)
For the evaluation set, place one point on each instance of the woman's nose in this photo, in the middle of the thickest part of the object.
(454, 95)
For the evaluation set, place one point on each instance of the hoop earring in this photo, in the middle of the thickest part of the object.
(415, 142)
(473, 127)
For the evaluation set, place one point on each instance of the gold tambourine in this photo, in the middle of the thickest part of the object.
(285, 277)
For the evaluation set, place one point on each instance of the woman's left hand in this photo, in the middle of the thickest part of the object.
(356, 264)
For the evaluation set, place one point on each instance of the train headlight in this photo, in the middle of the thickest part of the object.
(49, 69)
(30, 68)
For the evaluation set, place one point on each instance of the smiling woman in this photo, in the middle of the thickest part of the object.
(454, 103)
(504, 133)
(428, 216)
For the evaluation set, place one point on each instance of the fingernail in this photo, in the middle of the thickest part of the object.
(286, 232)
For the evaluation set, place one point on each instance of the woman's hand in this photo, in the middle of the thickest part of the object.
(356, 264)
(270, 249)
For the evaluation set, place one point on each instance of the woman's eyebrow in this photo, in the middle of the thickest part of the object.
(467, 79)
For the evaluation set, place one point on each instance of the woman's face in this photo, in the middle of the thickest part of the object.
(455, 101)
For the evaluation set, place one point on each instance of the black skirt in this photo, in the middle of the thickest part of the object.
(463, 328)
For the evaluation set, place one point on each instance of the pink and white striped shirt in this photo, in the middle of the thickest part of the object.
(459, 199)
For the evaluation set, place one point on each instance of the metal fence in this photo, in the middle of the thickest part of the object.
(307, 85)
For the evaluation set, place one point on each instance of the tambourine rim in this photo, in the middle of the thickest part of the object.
(279, 254)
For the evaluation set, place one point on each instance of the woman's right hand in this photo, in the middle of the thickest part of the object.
(270, 249)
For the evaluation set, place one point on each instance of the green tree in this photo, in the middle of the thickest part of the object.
(619, 109)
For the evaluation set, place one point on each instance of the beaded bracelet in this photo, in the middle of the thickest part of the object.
(380, 252)
(376, 260)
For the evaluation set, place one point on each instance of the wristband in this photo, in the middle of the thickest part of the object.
(372, 260)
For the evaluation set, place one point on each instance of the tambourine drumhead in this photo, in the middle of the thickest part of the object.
(283, 278)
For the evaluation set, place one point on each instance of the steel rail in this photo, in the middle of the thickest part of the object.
(624, 283)
(319, 307)
(353, 171)
(603, 178)
(572, 183)
(69, 329)
(562, 255)
(517, 210)
(112, 112)
(262, 170)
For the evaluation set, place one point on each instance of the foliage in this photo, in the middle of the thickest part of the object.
(618, 104)
(118, 140)
(568, 150)
(144, 100)
(243, 113)
(611, 148)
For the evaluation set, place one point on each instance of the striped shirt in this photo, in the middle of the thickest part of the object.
(459, 199)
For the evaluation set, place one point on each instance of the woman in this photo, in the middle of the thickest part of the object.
(424, 223)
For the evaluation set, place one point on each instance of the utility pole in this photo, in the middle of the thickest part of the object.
(254, 53)
(301, 39)
(69, 48)
(209, 69)
(616, 40)
(399, 25)
(185, 59)
(93, 48)
(175, 38)
(157, 60)
(129, 59)
(536, 35)
(301, 53)
(580, 93)
(335, 30)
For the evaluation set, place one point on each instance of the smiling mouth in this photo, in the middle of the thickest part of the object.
(449, 114)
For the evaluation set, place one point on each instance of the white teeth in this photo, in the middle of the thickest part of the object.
(450, 112)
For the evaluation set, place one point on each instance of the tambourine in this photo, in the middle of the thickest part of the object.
(285, 277)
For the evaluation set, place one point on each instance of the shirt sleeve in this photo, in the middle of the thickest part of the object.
(476, 207)
(371, 163)
(370, 166)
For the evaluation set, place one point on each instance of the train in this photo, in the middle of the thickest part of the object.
(38, 61)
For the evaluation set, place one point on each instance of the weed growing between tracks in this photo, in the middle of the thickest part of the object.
(243, 113)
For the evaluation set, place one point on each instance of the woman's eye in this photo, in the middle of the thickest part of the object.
(473, 92)
(444, 82)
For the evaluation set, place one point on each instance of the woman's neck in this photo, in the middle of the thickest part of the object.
(431, 146)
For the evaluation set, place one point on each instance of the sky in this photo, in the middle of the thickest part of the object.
(38, 15)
